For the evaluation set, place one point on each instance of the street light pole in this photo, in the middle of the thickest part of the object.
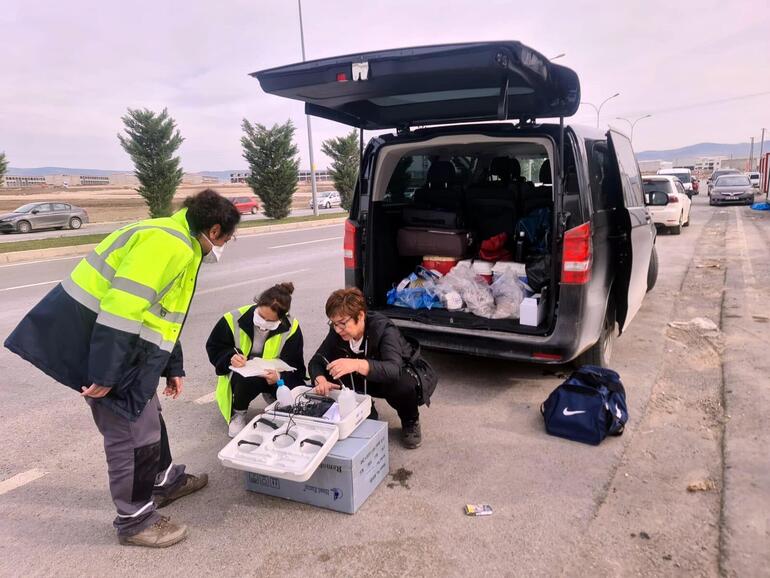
(307, 116)
(599, 108)
(633, 124)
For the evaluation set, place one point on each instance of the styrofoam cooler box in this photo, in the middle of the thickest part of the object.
(346, 477)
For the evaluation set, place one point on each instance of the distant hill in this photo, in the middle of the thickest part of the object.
(223, 176)
(43, 171)
(704, 149)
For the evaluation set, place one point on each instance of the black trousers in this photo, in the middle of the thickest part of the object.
(245, 389)
(401, 395)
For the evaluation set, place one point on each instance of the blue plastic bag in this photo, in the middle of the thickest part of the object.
(761, 206)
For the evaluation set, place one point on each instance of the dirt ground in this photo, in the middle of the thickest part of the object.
(106, 204)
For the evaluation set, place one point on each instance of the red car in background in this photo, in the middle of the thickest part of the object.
(245, 204)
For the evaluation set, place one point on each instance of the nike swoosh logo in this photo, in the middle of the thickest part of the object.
(567, 412)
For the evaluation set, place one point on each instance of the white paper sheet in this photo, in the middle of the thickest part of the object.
(257, 367)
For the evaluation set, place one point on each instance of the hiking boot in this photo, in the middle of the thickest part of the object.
(411, 435)
(161, 534)
(191, 484)
(237, 423)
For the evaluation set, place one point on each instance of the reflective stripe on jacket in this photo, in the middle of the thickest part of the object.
(271, 350)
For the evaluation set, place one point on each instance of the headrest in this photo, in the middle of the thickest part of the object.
(545, 172)
(502, 168)
(441, 173)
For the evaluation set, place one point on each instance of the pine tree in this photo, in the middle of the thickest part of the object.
(151, 140)
(272, 157)
(344, 153)
(3, 168)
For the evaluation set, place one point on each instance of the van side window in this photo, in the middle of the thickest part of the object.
(629, 171)
(410, 174)
(598, 174)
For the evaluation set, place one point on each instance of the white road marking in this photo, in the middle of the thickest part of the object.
(306, 242)
(41, 261)
(20, 480)
(249, 282)
(208, 398)
(30, 285)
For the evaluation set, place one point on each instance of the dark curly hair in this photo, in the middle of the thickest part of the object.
(209, 208)
(278, 298)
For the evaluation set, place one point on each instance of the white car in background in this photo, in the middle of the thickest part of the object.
(683, 174)
(667, 201)
(754, 178)
(326, 200)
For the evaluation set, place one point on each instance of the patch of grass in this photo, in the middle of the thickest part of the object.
(88, 239)
(50, 243)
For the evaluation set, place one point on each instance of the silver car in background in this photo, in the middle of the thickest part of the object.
(326, 200)
(732, 189)
(35, 216)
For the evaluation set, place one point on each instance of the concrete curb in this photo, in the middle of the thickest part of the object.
(77, 250)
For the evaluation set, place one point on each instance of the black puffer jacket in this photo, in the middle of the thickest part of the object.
(386, 350)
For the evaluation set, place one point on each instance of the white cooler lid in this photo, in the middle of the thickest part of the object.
(264, 448)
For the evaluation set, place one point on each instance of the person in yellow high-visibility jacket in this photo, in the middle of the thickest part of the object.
(110, 331)
(263, 329)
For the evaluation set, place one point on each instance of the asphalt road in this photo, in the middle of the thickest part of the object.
(560, 508)
(96, 228)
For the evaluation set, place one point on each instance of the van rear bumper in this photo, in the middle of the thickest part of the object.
(555, 348)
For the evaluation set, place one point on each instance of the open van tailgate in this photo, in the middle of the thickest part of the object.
(429, 85)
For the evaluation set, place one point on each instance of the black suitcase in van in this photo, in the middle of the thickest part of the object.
(435, 218)
(418, 242)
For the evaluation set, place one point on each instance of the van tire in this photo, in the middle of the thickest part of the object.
(600, 353)
(652, 272)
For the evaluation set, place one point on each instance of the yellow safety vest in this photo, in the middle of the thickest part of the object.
(141, 278)
(272, 350)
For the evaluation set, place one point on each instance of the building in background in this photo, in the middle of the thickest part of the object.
(321, 175)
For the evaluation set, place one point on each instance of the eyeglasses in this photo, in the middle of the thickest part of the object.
(339, 324)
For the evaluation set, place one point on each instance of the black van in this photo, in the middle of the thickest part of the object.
(467, 159)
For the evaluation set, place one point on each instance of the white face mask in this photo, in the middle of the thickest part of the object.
(263, 324)
(215, 254)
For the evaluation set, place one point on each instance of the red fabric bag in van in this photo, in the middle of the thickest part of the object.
(494, 249)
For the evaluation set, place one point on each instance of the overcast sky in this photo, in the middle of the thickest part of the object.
(70, 69)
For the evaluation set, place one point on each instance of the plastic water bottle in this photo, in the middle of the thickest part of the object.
(346, 401)
(283, 393)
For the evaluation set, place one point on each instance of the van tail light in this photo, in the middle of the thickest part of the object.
(577, 255)
(349, 245)
(673, 199)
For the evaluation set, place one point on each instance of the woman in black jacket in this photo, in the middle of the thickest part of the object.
(262, 330)
(366, 351)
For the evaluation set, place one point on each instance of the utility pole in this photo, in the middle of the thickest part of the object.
(751, 155)
(762, 145)
(307, 116)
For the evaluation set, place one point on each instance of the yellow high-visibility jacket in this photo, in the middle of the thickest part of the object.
(116, 319)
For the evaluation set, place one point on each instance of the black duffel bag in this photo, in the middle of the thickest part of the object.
(422, 370)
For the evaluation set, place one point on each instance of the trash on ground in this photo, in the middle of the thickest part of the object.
(701, 486)
(478, 510)
(761, 206)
